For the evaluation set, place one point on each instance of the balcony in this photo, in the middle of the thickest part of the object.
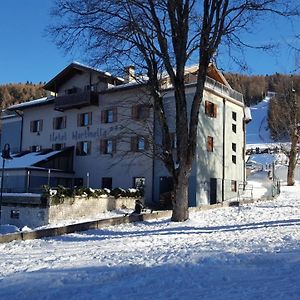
(76, 100)
(221, 88)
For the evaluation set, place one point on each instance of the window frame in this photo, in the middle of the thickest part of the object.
(80, 148)
(63, 123)
(36, 126)
(211, 109)
(210, 144)
(82, 121)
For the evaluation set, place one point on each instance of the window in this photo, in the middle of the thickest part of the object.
(108, 146)
(211, 109)
(14, 214)
(234, 128)
(139, 182)
(234, 116)
(59, 123)
(233, 158)
(36, 126)
(233, 146)
(35, 148)
(139, 144)
(233, 185)
(109, 115)
(58, 146)
(106, 183)
(90, 87)
(140, 112)
(210, 144)
(70, 91)
(83, 148)
(84, 119)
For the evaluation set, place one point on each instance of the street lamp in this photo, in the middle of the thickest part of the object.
(5, 155)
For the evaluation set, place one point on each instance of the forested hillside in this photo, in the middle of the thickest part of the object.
(20, 92)
(254, 88)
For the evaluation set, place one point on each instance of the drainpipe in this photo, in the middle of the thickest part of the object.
(153, 159)
(223, 154)
(22, 122)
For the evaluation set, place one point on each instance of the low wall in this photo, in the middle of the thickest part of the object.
(23, 214)
(79, 207)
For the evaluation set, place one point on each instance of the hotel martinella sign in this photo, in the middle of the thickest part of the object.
(85, 134)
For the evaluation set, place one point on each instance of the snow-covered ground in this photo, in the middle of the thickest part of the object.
(258, 129)
(246, 252)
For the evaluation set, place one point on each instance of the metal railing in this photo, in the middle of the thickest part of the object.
(223, 89)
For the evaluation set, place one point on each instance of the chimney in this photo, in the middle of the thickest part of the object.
(129, 74)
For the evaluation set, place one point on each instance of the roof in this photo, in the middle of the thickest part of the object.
(37, 102)
(30, 160)
(75, 68)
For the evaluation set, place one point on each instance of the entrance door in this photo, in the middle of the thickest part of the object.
(213, 191)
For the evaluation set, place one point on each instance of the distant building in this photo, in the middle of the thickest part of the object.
(109, 129)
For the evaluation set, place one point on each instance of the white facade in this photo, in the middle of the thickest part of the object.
(104, 132)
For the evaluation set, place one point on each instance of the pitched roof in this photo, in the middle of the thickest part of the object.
(75, 68)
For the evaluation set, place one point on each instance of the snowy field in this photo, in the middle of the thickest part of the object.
(246, 252)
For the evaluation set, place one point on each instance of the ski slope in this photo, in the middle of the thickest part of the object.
(257, 131)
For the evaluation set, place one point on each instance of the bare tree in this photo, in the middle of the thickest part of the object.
(162, 36)
(284, 119)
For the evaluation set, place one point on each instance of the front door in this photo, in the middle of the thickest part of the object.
(213, 191)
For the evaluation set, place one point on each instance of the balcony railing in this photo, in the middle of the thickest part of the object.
(223, 89)
(76, 100)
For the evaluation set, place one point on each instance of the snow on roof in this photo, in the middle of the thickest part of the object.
(35, 102)
(27, 160)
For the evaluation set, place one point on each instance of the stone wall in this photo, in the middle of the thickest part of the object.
(34, 215)
(83, 207)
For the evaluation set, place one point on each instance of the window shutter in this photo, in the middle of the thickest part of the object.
(147, 111)
(41, 125)
(65, 122)
(103, 116)
(31, 126)
(114, 145)
(206, 107)
(54, 123)
(133, 143)
(210, 144)
(146, 140)
(115, 114)
(90, 118)
(78, 120)
(215, 107)
(134, 112)
(102, 146)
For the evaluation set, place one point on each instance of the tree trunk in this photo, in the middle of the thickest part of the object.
(292, 161)
(180, 202)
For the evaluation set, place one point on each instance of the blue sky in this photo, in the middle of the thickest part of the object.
(26, 54)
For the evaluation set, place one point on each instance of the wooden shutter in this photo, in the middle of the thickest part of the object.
(114, 145)
(134, 112)
(79, 117)
(206, 107)
(102, 146)
(65, 122)
(146, 141)
(133, 143)
(115, 114)
(215, 108)
(31, 126)
(54, 123)
(210, 144)
(41, 125)
(103, 116)
(90, 118)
